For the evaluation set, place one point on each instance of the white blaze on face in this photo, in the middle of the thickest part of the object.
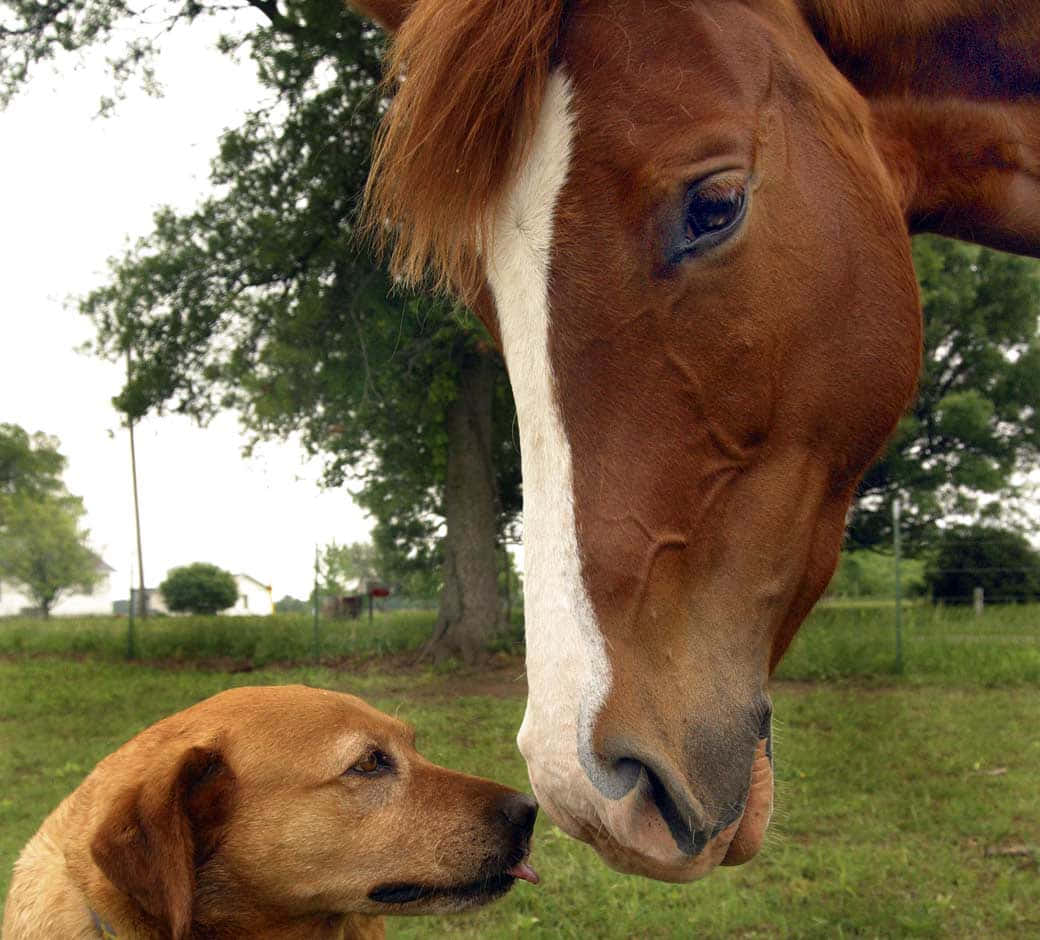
(567, 669)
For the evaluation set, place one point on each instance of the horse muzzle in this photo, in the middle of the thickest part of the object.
(642, 813)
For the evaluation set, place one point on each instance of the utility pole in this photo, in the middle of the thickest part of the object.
(899, 587)
(141, 595)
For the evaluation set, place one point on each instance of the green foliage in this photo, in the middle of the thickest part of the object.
(940, 644)
(976, 420)
(870, 574)
(1002, 563)
(264, 300)
(199, 588)
(44, 550)
(340, 566)
(838, 641)
(290, 605)
(30, 464)
(247, 641)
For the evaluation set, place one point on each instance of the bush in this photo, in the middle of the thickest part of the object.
(199, 589)
(871, 574)
(291, 605)
(1000, 562)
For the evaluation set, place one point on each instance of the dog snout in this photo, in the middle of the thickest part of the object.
(520, 811)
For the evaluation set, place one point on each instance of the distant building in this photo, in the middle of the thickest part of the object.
(254, 598)
(14, 600)
(153, 596)
(351, 604)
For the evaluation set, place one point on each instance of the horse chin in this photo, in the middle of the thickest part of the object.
(751, 830)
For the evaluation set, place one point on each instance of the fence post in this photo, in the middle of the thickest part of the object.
(978, 597)
(899, 587)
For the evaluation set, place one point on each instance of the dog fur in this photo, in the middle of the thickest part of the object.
(273, 813)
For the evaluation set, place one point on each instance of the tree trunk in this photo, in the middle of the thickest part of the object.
(469, 610)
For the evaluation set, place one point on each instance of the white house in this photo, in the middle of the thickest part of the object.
(254, 598)
(153, 597)
(14, 600)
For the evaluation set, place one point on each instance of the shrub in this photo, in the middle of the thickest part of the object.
(872, 574)
(199, 589)
(1000, 562)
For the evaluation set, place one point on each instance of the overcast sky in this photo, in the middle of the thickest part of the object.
(76, 190)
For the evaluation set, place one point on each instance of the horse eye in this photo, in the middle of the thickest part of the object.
(713, 211)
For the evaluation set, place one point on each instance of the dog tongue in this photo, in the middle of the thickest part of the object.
(525, 871)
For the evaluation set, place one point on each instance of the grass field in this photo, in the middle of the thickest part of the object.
(905, 809)
(285, 638)
(1000, 648)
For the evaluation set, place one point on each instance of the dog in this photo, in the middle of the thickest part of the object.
(269, 813)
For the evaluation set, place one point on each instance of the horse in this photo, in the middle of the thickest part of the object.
(687, 224)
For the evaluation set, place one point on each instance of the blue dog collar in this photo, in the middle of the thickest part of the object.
(104, 930)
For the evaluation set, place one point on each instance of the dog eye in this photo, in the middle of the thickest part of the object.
(372, 763)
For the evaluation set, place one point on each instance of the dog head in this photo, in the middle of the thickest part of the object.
(267, 806)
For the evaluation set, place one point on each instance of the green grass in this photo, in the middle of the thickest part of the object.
(940, 644)
(839, 640)
(258, 641)
(887, 802)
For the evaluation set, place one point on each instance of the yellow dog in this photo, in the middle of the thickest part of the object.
(275, 813)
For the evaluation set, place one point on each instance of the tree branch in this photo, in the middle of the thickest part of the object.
(277, 19)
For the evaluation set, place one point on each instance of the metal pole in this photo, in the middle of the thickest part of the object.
(131, 652)
(142, 596)
(899, 587)
(317, 641)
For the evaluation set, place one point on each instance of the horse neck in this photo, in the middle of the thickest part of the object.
(977, 49)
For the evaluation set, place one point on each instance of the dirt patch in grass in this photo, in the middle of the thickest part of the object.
(501, 676)
(497, 681)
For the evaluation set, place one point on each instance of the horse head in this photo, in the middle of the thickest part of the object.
(687, 224)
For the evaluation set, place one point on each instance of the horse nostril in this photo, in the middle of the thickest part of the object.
(679, 810)
(679, 816)
(520, 810)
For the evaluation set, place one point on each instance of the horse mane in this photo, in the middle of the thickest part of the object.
(468, 78)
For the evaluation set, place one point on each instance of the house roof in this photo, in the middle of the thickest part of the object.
(101, 565)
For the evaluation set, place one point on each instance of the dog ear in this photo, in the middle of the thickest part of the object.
(389, 14)
(157, 833)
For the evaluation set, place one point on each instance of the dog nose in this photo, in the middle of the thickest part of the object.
(520, 810)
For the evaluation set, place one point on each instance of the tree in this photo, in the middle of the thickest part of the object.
(870, 574)
(340, 565)
(975, 426)
(44, 550)
(291, 605)
(263, 301)
(42, 546)
(30, 464)
(199, 588)
(1002, 563)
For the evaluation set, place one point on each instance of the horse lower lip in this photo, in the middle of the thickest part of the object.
(759, 807)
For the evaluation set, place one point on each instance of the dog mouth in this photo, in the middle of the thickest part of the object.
(467, 894)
